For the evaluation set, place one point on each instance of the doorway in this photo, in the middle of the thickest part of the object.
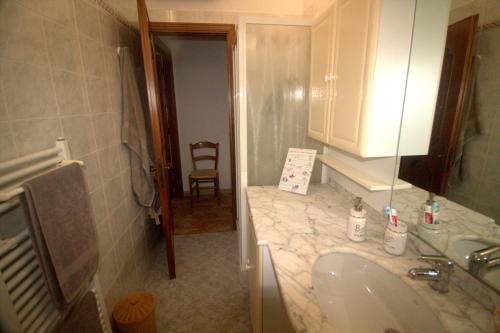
(196, 109)
(431, 172)
(162, 161)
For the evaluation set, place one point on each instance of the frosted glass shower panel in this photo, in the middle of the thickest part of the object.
(277, 99)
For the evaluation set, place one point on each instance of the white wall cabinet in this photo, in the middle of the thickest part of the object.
(361, 54)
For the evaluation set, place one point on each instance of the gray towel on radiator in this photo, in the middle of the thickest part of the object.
(84, 318)
(63, 231)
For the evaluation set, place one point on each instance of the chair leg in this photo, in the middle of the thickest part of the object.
(217, 190)
(191, 190)
(216, 193)
(197, 189)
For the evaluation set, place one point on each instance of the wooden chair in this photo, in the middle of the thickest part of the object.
(204, 175)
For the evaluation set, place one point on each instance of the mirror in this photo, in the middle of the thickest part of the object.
(454, 203)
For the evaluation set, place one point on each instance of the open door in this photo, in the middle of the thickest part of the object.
(430, 172)
(169, 116)
(160, 158)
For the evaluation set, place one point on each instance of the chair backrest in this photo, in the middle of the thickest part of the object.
(204, 145)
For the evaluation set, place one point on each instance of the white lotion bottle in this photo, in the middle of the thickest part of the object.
(356, 225)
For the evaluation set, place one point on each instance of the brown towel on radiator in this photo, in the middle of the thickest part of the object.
(84, 318)
(63, 230)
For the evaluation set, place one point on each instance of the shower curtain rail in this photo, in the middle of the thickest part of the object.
(23, 167)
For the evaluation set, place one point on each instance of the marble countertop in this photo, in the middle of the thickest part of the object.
(299, 229)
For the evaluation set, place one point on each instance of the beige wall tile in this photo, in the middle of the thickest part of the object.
(104, 239)
(99, 205)
(486, 75)
(138, 235)
(123, 250)
(98, 95)
(478, 143)
(113, 190)
(32, 135)
(19, 40)
(92, 171)
(3, 109)
(30, 4)
(489, 45)
(126, 283)
(488, 194)
(109, 30)
(117, 120)
(64, 52)
(87, 19)
(126, 180)
(492, 170)
(490, 12)
(27, 90)
(104, 129)
(60, 11)
(70, 93)
(7, 146)
(60, 77)
(93, 61)
(110, 166)
(80, 135)
(494, 146)
(107, 272)
(132, 208)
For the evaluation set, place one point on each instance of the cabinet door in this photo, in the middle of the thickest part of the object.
(321, 43)
(254, 270)
(354, 40)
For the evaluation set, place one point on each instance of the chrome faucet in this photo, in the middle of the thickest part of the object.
(480, 260)
(439, 274)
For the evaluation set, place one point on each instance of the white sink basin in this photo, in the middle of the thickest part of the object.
(464, 247)
(357, 295)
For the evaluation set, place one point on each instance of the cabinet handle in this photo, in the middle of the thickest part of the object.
(330, 77)
(247, 265)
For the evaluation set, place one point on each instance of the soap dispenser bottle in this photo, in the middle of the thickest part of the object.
(356, 226)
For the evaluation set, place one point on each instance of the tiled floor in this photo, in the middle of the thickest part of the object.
(205, 216)
(209, 295)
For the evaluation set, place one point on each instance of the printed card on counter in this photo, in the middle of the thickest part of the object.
(297, 170)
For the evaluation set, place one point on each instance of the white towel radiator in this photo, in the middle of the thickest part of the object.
(25, 304)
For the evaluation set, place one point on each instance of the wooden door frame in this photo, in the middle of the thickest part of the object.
(226, 32)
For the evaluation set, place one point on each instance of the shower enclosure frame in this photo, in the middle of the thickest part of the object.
(241, 120)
